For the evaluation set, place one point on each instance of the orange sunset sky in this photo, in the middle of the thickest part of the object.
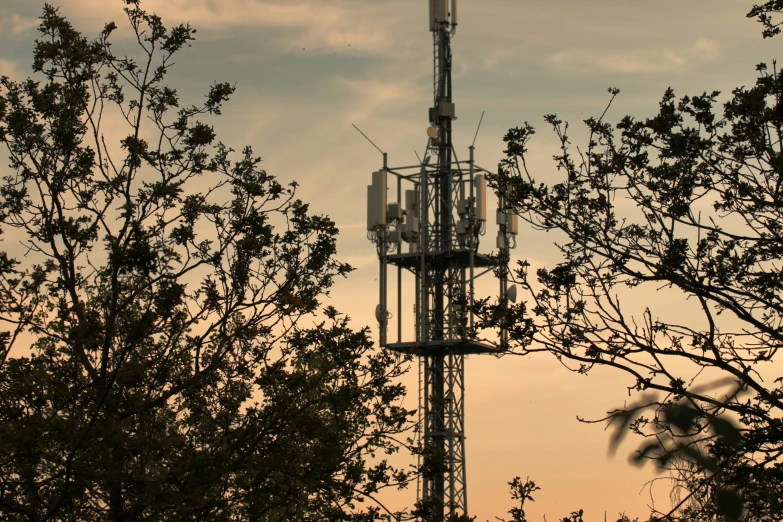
(305, 70)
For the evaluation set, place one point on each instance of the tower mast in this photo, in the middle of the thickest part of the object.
(440, 217)
(444, 372)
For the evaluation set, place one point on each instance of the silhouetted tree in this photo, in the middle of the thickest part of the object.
(690, 201)
(152, 286)
(522, 492)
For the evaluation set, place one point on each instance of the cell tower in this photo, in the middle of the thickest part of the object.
(439, 214)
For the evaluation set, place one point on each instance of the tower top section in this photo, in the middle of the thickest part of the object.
(442, 12)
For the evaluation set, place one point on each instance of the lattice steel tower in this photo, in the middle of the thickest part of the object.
(440, 214)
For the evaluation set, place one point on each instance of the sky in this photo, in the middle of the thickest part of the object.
(306, 70)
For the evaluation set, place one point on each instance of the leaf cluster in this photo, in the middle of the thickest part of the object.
(153, 361)
(687, 202)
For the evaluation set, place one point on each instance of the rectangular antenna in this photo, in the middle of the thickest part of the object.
(439, 12)
(371, 212)
(481, 197)
(376, 200)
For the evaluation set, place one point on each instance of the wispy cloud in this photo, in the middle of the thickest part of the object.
(312, 24)
(496, 58)
(633, 61)
(10, 69)
(16, 23)
(369, 98)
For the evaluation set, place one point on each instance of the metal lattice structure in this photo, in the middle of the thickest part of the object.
(440, 215)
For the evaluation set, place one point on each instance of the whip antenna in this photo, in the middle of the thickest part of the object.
(368, 139)
(477, 129)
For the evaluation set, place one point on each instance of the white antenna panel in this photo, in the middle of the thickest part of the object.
(379, 180)
(509, 220)
(454, 12)
(379, 188)
(439, 12)
(513, 223)
(480, 183)
(376, 208)
(412, 225)
(376, 200)
(410, 229)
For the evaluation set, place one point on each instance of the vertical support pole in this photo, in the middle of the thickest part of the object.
(424, 250)
(399, 267)
(463, 476)
(427, 480)
(418, 277)
(451, 405)
(383, 319)
(473, 242)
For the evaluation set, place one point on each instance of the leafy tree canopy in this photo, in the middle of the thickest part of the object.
(690, 201)
(153, 361)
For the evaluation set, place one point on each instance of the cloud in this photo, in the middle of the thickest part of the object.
(10, 69)
(633, 61)
(17, 23)
(498, 57)
(370, 98)
(311, 24)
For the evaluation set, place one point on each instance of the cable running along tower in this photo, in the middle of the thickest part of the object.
(430, 234)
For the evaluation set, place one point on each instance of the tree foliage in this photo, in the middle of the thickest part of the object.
(689, 202)
(153, 285)
(522, 492)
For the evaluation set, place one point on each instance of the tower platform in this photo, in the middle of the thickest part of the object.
(444, 347)
(444, 259)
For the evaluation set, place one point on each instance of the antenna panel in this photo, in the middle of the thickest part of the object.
(454, 12)
(379, 180)
(411, 203)
(376, 200)
(510, 220)
(370, 209)
(513, 223)
(410, 229)
(480, 183)
(393, 212)
(439, 12)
